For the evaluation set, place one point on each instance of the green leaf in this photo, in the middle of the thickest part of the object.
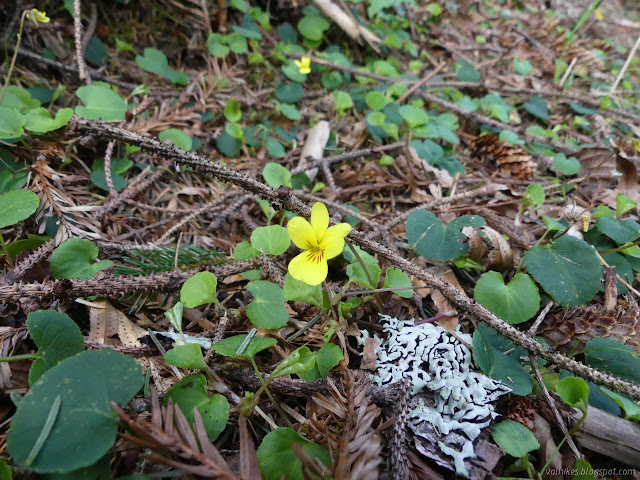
(331, 80)
(216, 45)
(277, 460)
(100, 103)
(39, 120)
(244, 251)
(343, 100)
(624, 204)
(179, 138)
(267, 310)
(583, 469)
(275, 148)
(574, 391)
(5, 470)
(74, 258)
(153, 61)
(174, 315)
(297, 291)
(498, 365)
(234, 129)
(534, 195)
(537, 107)
(275, 175)
(232, 111)
(327, 357)
(313, 26)
(300, 360)
(566, 166)
(614, 357)
(11, 123)
(630, 408)
(237, 43)
(199, 289)
(515, 302)
(465, 71)
(289, 111)
(274, 239)
(228, 145)
(375, 100)
(289, 92)
(16, 206)
(99, 179)
(496, 107)
(568, 270)
(190, 393)
(56, 336)
(188, 355)
(621, 232)
(431, 238)
(34, 241)
(395, 278)
(85, 423)
(514, 438)
(229, 346)
(356, 274)
(522, 66)
(375, 119)
(414, 116)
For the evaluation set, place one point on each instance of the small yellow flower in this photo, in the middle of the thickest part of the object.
(36, 16)
(319, 242)
(598, 13)
(304, 65)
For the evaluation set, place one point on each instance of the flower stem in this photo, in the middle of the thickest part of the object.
(15, 56)
(366, 272)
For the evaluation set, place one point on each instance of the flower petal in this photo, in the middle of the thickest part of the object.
(307, 271)
(333, 240)
(302, 234)
(319, 219)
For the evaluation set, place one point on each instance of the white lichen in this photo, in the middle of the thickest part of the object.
(435, 361)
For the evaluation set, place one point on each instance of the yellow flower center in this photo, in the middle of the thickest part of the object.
(315, 254)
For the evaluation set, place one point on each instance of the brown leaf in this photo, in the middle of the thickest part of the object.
(107, 321)
(249, 469)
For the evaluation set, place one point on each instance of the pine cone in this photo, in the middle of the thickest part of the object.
(570, 330)
(512, 160)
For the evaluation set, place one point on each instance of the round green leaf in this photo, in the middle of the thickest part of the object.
(267, 310)
(514, 438)
(297, 291)
(11, 123)
(375, 100)
(278, 460)
(568, 270)
(56, 336)
(199, 289)
(327, 357)
(414, 116)
(275, 175)
(620, 232)
(275, 148)
(289, 92)
(375, 119)
(75, 258)
(190, 393)
(232, 110)
(522, 66)
(153, 61)
(537, 106)
(274, 239)
(614, 357)
(343, 100)
(228, 145)
(229, 346)
(99, 179)
(188, 355)
(431, 238)
(179, 138)
(39, 119)
(100, 103)
(313, 26)
(574, 391)
(16, 206)
(566, 166)
(515, 302)
(85, 424)
(331, 80)
(395, 278)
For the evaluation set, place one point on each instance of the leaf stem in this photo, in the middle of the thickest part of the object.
(366, 272)
(15, 56)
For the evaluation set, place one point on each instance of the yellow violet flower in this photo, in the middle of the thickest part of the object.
(319, 242)
(36, 16)
(304, 65)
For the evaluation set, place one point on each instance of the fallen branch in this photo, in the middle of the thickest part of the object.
(284, 197)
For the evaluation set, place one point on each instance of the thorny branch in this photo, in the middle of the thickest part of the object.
(284, 198)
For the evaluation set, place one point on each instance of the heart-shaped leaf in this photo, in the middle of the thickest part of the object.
(199, 289)
(515, 302)
(514, 438)
(431, 238)
(84, 423)
(75, 258)
(568, 270)
(273, 239)
(267, 310)
(16, 206)
(625, 231)
(100, 103)
(57, 337)
(229, 346)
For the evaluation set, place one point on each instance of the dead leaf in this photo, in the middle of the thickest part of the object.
(107, 321)
(369, 355)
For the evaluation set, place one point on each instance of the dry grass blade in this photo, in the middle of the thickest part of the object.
(249, 469)
(347, 423)
(168, 441)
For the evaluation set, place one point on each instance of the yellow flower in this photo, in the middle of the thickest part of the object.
(36, 16)
(304, 65)
(319, 242)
